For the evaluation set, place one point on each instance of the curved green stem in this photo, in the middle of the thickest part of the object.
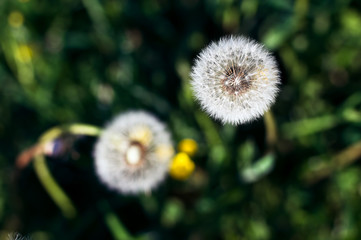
(52, 187)
(46, 179)
(77, 128)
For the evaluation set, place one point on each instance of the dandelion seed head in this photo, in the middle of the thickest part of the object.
(133, 153)
(235, 80)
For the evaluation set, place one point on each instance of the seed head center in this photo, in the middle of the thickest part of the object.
(135, 154)
(236, 80)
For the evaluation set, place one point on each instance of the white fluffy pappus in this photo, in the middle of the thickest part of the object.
(17, 236)
(235, 79)
(133, 153)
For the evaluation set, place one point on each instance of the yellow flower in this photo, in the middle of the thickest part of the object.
(182, 166)
(189, 146)
(23, 53)
(16, 19)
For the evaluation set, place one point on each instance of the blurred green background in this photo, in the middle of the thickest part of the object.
(85, 61)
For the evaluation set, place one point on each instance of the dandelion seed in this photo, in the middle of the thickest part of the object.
(235, 80)
(133, 153)
(17, 236)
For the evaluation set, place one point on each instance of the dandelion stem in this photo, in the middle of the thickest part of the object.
(46, 179)
(53, 189)
(113, 223)
(77, 128)
(271, 129)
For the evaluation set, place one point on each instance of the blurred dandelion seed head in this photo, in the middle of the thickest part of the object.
(133, 153)
(17, 236)
(235, 80)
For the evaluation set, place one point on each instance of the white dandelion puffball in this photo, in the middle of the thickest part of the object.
(133, 153)
(235, 79)
(17, 236)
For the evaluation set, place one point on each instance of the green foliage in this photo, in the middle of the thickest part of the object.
(84, 61)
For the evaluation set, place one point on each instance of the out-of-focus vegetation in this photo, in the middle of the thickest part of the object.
(85, 61)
